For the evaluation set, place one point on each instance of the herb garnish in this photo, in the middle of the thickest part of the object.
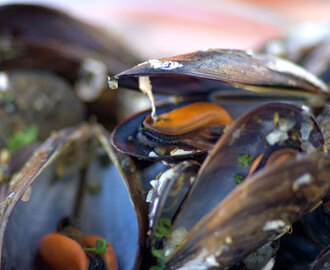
(157, 253)
(245, 160)
(22, 138)
(163, 229)
(101, 247)
(238, 178)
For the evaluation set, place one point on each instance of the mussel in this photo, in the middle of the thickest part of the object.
(51, 79)
(94, 194)
(242, 176)
(265, 172)
(68, 248)
(202, 73)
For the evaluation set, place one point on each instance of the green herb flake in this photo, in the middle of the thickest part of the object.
(238, 178)
(245, 160)
(157, 253)
(158, 267)
(22, 138)
(163, 229)
(101, 247)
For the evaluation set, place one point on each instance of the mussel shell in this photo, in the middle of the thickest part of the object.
(170, 193)
(204, 71)
(101, 215)
(123, 138)
(24, 223)
(247, 135)
(258, 210)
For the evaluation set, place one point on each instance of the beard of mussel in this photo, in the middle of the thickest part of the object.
(194, 127)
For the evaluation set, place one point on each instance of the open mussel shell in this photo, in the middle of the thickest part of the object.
(204, 71)
(267, 128)
(126, 137)
(260, 209)
(93, 192)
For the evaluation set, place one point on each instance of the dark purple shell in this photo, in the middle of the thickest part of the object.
(250, 135)
(204, 71)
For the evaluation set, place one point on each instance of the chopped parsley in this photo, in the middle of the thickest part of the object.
(22, 138)
(245, 160)
(238, 178)
(157, 253)
(101, 247)
(163, 229)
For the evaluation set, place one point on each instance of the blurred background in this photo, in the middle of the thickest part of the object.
(154, 29)
(54, 72)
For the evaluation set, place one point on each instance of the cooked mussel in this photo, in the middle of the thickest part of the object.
(201, 73)
(264, 173)
(259, 145)
(68, 248)
(179, 131)
(268, 131)
(82, 192)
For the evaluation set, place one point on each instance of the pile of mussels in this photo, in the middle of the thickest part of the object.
(229, 171)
